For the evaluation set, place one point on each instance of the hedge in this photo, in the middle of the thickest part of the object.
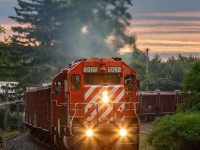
(177, 132)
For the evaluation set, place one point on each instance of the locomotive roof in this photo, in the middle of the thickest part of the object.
(103, 59)
(76, 62)
(106, 59)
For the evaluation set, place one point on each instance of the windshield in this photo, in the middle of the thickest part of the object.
(102, 79)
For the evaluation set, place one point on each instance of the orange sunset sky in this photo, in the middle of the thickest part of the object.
(166, 27)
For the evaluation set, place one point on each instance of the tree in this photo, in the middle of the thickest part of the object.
(138, 62)
(65, 30)
(191, 89)
(168, 75)
(12, 61)
(192, 78)
(2, 30)
(45, 19)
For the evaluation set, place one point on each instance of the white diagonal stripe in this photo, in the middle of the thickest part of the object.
(114, 90)
(93, 101)
(87, 94)
(108, 110)
(110, 94)
(118, 98)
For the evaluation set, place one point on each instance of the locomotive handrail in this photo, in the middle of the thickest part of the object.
(108, 103)
(72, 120)
(134, 108)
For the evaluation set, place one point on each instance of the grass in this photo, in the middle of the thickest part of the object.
(144, 144)
(9, 134)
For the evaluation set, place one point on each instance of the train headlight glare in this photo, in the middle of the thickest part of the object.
(122, 132)
(89, 132)
(105, 98)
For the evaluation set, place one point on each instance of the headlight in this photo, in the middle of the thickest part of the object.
(122, 132)
(105, 98)
(89, 132)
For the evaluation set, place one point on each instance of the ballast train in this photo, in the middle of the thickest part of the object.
(91, 104)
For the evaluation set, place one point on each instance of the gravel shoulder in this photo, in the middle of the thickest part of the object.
(23, 142)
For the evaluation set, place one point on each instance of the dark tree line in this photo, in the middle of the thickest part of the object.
(53, 33)
(163, 75)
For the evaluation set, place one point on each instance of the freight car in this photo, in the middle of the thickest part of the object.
(91, 104)
(158, 103)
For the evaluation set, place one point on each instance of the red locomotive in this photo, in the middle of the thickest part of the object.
(91, 104)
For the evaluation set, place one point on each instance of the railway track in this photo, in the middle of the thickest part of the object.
(26, 142)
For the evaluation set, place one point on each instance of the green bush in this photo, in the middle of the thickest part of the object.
(191, 104)
(14, 120)
(177, 132)
(2, 112)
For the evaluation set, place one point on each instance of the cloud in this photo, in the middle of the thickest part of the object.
(167, 32)
(169, 46)
(171, 42)
(165, 5)
(7, 24)
(164, 30)
(150, 22)
(191, 14)
(4, 20)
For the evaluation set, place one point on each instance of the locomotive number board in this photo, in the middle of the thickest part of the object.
(114, 69)
(90, 69)
(111, 69)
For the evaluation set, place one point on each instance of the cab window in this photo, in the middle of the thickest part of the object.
(102, 79)
(129, 82)
(76, 82)
(57, 87)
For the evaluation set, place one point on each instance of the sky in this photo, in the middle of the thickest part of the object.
(166, 27)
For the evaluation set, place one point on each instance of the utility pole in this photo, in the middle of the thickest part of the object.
(147, 63)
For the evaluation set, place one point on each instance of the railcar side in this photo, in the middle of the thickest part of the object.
(154, 104)
(38, 112)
